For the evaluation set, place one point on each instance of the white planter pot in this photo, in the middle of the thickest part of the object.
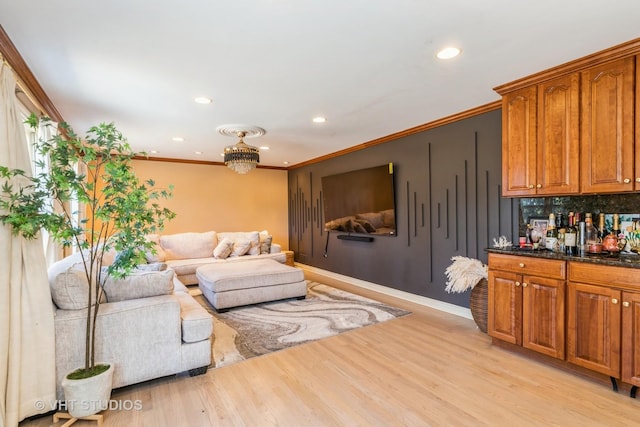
(88, 396)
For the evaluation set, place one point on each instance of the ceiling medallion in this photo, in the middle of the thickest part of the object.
(241, 157)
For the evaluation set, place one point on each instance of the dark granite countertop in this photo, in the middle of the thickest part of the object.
(630, 260)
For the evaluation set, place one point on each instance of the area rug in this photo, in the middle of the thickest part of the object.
(245, 332)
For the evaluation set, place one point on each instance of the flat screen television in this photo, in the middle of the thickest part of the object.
(360, 201)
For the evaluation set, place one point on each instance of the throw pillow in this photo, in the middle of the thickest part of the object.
(139, 284)
(252, 236)
(367, 225)
(240, 247)
(265, 245)
(224, 248)
(156, 254)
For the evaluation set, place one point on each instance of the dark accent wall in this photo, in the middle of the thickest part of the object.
(447, 203)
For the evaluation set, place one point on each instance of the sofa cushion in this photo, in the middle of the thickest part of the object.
(189, 245)
(197, 323)
(252, 236)
(139, 284)
(389, 217)
(374, 218)
(224, 248)
(68, 283)
(69, 288)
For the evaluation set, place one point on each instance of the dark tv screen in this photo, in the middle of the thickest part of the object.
(360, 201)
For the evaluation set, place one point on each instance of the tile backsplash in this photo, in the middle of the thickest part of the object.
(608, 204)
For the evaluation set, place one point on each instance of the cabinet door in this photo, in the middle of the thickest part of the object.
(543, 315)
(593, 328)
(631, 338)
(505, 306)
(558, 143)
(607, 139)
(519, 142)
(637, 147)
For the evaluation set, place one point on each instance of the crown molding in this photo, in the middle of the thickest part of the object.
(26, 80)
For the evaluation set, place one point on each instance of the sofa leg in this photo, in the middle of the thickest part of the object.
(198, 371)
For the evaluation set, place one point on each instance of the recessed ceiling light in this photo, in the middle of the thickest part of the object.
(264, 147)
(198, 152)
(177, 139)
(448, 53)
(154, 151)
(319, 119)
(203, 100)
(286, 163)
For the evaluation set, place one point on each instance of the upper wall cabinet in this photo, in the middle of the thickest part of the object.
(573, 129)
(540, 139)
(607, 132)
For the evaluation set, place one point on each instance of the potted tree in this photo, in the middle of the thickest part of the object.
(120, 212)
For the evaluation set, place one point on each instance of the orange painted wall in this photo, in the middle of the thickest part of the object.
(212, 197)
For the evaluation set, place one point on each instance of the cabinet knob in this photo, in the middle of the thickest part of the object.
(524, 285)
(539, 186)
(614, 300)
(626, 180)
(521, 265)
(530, 186)
(626, 304)
(517, 283)
(638, 179)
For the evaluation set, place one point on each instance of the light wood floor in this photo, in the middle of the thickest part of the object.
(427, 369)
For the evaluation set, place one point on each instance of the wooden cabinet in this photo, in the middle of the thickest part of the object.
(573, 129)
(603, 320)
(526, 302)
(540, 133)
(607, 131)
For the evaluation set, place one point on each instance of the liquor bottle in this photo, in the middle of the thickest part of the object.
(562, 228)
(602, 230)
(551, 240)
(590, 234)
(616, 225)
(570, 236)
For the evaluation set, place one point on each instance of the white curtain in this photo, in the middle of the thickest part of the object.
(27, 359)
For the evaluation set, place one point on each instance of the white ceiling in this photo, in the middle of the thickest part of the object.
(368, 66)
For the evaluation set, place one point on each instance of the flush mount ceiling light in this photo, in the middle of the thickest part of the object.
(448, 53)
(203, 100)
(241, 157)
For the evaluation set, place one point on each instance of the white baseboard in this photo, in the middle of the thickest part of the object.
(407, 296)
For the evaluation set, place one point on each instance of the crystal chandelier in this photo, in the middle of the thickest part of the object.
(241, 157)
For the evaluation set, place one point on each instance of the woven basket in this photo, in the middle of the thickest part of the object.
(478, 304)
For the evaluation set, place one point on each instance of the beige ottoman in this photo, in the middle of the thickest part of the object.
(227, 285)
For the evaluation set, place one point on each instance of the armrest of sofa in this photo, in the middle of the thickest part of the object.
(275, 248)
(141, 337)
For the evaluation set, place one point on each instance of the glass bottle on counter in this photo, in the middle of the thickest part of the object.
(590, 232)
(551, 240)
(570, 236)
(602, 230)
(561, 227)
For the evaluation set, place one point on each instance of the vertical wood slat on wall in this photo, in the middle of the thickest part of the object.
(447, 203)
